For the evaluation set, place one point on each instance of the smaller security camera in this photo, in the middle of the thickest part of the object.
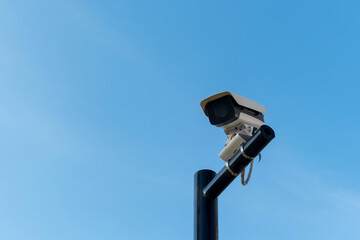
(238, 116)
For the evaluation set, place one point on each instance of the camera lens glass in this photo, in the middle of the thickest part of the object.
(221, 111)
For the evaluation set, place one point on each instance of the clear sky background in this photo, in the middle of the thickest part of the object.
(102, 130)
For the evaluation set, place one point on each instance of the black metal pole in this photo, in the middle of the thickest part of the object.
(206, 210)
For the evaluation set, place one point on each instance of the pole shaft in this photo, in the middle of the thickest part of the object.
(206, 209)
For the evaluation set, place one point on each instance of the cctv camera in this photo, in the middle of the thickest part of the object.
(238, 116)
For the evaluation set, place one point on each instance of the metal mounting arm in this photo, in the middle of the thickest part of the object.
(241, 159)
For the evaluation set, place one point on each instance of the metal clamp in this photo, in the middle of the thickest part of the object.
(231, 171)
(244, 154)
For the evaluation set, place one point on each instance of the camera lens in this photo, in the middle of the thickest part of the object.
(221, 111)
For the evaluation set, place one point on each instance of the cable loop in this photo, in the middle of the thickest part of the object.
(243, 181)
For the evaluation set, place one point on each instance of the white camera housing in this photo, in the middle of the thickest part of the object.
(238, 116)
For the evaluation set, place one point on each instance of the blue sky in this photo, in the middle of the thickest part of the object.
(102, 130)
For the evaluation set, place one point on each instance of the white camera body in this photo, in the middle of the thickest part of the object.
(238, 116)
